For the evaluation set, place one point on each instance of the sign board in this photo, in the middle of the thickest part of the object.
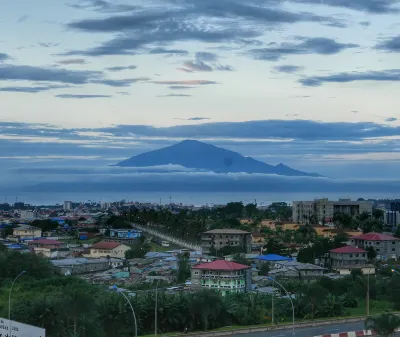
(19, 329)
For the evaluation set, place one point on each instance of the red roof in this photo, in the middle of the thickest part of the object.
(221, 265)
(375, 237)
(347, 250)
(106, 245)
(46, 242)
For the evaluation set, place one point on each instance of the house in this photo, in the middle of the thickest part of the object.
(386, 246)
(220, 238)
(83, 265)
(108, 249)
(347, 258)
(125, 233)
(293, 269)
(26, 231)
(51, 249)
(222, 275)
(257, 237)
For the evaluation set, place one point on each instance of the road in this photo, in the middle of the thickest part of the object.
(311, 331)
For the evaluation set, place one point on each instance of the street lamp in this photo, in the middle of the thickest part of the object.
(290, 298)
(156, 310)
(9, 299)
(130, 304)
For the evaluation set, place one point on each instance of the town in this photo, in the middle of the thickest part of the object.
(310, 260)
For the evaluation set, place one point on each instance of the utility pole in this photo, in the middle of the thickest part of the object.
(273, 307)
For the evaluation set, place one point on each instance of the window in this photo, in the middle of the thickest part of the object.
(393, 242)
(393, 249)
(351, 255)
(377, 249)
(378, 243)
(356, 255)
(363, 255)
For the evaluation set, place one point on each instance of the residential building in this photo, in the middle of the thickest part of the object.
(29, 214)
(257, 237)
(222, 275)
(108, 249)
(347, 258)
(386, 246)
(26, 231)
(125, 233)
(219, 238)
(395, 206)
(392, 218)
(51, 249)
(323, 210)
(82, 265)
(67, 205)
(293, 269)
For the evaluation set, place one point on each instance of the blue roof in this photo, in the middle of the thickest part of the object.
(273, 257)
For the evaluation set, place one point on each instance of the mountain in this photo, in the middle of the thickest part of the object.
(207, 157)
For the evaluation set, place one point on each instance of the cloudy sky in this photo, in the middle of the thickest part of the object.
(311, 83)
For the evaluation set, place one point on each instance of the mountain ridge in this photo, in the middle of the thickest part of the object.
(197, 155)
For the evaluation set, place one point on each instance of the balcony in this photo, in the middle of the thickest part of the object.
(222, 276)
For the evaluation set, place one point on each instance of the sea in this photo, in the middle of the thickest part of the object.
(187, 198)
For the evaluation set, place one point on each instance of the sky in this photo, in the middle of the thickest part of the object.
(310, 83)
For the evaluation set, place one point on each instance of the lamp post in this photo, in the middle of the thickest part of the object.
(9, 300)
(290, 298)
(130, 304)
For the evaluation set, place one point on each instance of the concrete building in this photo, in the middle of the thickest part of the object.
(125, 233)
(386, 246)
(391, 218)
(347, 258)
(395, 206)
(29, 214)
(51, 249)
(67, 205)
(26, 231)
(219, 238)
(323, 210)
(82, 266)
(222, 275)
(108, 249)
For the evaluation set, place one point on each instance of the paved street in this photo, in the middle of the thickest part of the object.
(311, 331)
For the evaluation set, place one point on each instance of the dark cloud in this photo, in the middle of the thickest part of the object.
(159, 51)
(197, 118)
(72, 61)
(371, 6)
(202, 63)
(307, 45)
(31, 73)
(180, 87)
(288, 69)
(48, 44)
(120, 68)
(197, 66)
(206, 56)
(365, 23)
(22, 18)
(4, 57)
(391, 119)
(185, 82)
(124, 93)
(175, 95)
(102, 6)
(121, 83)
(185, 70)
(295, 129)
(200, 21)
(32, 89)
(390, 75)
(73, 96)
(391, 45)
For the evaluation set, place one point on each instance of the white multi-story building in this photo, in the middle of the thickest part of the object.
(67, 205)
(323, 210)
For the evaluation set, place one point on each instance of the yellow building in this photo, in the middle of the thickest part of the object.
(26, 231)
(105, 249)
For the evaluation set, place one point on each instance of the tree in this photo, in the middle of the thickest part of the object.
(371, 253)
(183, 267)
(264, 269)
(385, 324)
(45, 225)
(377, 213)
(138, 250)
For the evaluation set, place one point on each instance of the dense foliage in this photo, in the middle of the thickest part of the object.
(67, 306)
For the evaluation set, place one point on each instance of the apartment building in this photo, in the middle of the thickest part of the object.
(391, 218)
(26, 231)
(221, 275)
(323, 210)
(347, 258)
(108, 249)
(386, 246)
(219, 238)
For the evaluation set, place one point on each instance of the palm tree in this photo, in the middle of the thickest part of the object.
(384, 325)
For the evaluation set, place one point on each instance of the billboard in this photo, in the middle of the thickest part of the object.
(19, 329)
